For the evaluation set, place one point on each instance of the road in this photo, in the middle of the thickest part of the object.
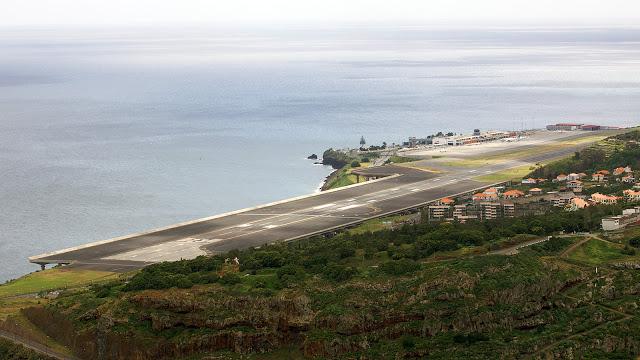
(402, 188)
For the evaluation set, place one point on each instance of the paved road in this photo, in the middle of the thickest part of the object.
(286, 220)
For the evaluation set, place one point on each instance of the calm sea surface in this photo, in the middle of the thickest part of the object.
(109, 132)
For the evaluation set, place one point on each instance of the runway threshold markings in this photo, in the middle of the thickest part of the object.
(322, 206)
(349, 207)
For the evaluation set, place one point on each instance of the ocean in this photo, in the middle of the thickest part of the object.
(105, 132)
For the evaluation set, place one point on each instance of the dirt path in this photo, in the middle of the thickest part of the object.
(571, 248)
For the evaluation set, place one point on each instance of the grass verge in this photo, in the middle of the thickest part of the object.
(52, 279)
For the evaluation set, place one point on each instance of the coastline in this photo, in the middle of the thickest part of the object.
(327, 180)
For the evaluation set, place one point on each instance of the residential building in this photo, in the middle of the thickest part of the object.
(575, 204)
(575, 185)
(459, 211)
(512, 194)
(491, 190)
(618, 171)
(603, 199)
(604, 172)
(631, 195)
(631, 211)
(618, 222)
(597, 177)
(572, 177)
(509, 210)
(489, 210)
(562, 198)
(484, 197)
(446, 201)
(535, 191)
(628, 170)
(439, 212)
(529, 181)
(629, 179)
(561, 177)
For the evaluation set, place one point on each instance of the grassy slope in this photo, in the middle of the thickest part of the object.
(20, 294)
(344, 177)
(505, 175)
(597, 252)
(58, 278)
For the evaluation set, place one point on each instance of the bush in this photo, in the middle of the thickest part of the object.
(399, 267)
(355, 164)
(290, 273)
(365, 159)
(552, 246)
(635, 242)
(346, 252)
(628, 250)
(469, 339)
(338, 273)
(230, 279)
(408, 342)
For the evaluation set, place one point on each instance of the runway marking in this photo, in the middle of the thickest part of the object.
(414, 190)
(243, 225)
(349, 207)
(322, 206)
(271, 226)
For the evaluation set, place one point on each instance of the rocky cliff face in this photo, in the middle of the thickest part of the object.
(522, 312)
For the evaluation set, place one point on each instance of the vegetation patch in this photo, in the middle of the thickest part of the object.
(597, 252)
(53, 279)
(506, 175)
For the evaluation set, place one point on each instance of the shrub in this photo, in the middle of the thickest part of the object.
(355, 164)
(346, 252)
(230, 279)
(635, 242)
(338, 273)
(408, 342)
(628, 250)
(469, 339)
(399, 267)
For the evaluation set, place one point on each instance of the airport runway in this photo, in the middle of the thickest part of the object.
(402, 188)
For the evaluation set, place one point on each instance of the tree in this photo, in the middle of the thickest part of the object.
(362, 141)
(355, 164)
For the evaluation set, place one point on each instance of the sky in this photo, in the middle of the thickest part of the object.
(243, 12)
